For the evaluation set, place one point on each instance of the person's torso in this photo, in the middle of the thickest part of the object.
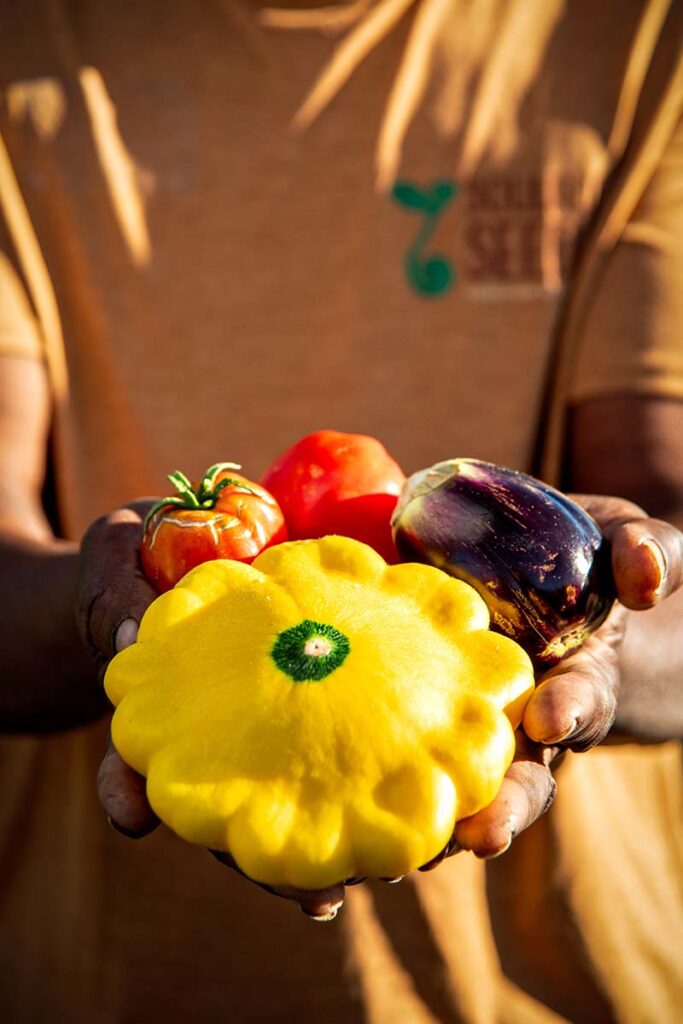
(226, 284)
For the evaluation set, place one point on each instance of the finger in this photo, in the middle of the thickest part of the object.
(122, 793)
(647, 554)
(570, 710)
(113, 592)
(575, 703)
(319, 904)
(647, 562)
(527, 792)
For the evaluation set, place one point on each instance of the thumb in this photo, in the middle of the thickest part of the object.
(113, 592)
(647, 553)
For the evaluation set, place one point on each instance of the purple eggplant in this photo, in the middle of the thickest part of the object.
(539, 561)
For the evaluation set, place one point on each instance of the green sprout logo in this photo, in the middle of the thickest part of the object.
(430, 275)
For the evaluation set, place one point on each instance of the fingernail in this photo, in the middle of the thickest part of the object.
(356, 880)
(126, 634)
(394, 880)
(329, 915)
(550, 741)
(659, 563)
(500, 852)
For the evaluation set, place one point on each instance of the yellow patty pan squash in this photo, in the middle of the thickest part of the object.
(318, 713)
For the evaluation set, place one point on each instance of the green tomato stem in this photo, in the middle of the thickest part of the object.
(209, 478)
(206, 494)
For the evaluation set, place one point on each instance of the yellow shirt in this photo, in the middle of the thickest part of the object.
(207, 284)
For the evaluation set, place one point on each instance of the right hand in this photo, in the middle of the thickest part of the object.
(112, 597)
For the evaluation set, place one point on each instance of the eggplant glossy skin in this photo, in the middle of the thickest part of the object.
(538, 560)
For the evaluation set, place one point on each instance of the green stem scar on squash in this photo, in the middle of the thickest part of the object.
(310, 651)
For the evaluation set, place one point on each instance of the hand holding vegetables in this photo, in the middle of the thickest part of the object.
(578, 694)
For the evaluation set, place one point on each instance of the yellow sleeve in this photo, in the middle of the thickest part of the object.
(632, 341)
(19, 331)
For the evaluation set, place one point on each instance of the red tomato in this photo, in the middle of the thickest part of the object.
(224, 516)
(330, 482)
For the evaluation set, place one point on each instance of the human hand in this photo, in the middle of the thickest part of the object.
(572, 708)
(113, 594)
(574, 704)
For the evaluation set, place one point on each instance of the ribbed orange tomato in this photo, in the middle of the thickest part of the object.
(224, 516)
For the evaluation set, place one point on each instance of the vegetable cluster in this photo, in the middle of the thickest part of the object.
(323, 713)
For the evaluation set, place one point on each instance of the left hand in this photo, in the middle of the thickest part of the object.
(575, 702)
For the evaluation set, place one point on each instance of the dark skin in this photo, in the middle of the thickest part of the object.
(607, 685)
